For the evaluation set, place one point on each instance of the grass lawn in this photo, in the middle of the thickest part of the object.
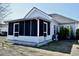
(63, 46)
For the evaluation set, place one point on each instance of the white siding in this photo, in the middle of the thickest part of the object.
(52, 27)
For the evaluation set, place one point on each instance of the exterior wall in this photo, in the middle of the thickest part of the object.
(77, 25)
(26, 40)
(52, 27)
(23, 38)
(29, 40)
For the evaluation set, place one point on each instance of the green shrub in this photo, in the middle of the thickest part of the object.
(72, 34)
(64, 33)
(77, 34)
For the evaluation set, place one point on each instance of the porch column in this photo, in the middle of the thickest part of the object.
(37, 27)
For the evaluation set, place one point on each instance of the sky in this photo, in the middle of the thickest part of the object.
(19, 10)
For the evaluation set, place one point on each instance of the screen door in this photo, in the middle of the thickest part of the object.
(45, 27)
(16, 29)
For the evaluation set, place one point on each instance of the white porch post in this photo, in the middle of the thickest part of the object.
(37, 27)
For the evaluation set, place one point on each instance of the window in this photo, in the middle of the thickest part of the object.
(27, 28)
(42, 27)
(10, 29)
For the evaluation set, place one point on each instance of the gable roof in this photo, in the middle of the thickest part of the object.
(37, 13)
(62, 19)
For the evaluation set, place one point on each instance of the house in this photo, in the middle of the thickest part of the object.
(3, 28)
(37, 27)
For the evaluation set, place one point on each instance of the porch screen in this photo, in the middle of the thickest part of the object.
(48, 28)
(10, 29)
(41, 28)
(27, 28)
(34, 28)
(21, 28)
(31, 28)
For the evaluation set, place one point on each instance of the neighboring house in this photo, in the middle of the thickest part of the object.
(3, 28)
(37, 27)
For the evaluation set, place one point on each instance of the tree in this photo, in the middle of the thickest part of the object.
(4, 10)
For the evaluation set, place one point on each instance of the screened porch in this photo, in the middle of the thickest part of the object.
(32, 27)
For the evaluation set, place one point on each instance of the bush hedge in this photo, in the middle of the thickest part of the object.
(77, 34)
(64, 33)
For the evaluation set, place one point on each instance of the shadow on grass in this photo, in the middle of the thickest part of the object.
(63, 46)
